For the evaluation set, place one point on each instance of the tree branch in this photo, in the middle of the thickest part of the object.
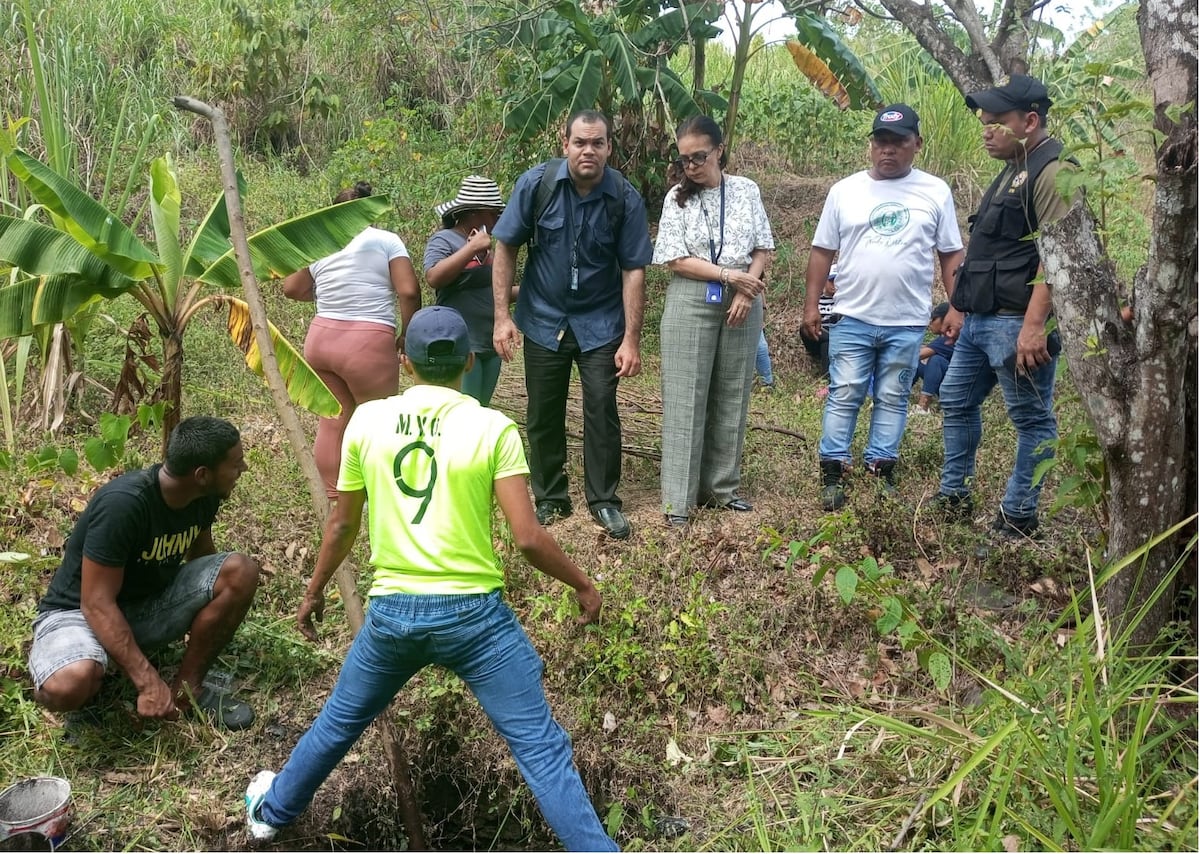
(968, 75)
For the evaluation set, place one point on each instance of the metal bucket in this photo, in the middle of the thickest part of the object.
(38, 805)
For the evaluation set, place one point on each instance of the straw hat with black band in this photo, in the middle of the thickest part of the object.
(475, 193)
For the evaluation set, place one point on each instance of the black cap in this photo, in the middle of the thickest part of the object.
(940, 310)
(1019, 93)
(437, 335)
(900, 119)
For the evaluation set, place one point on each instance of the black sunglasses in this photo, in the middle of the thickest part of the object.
(697, 159)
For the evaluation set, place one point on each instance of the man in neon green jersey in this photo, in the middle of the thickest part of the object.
(430, 462)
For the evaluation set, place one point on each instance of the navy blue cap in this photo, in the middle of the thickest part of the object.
(437, 335)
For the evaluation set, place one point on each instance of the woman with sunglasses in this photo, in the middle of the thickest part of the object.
(715, 239)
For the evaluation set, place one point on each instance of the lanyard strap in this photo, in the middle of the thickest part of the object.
(714, 251)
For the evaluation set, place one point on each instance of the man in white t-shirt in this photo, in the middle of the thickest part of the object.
(884, 225)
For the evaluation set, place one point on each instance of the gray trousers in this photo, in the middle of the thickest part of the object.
(707, 374)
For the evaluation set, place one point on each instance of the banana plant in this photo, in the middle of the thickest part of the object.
(86, 254)
(609, 59)
(828, 62)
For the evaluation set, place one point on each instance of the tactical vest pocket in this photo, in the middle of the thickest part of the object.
(1016, 222)
(1006, 217)
(976, 288)
(1012, 282)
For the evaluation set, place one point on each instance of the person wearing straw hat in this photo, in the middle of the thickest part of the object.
(458, 266)
(352, 342)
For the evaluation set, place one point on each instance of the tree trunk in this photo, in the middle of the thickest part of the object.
(741, 57)
(970, 73)
(1131, 380)
(171, 387)
(1137, 380)
(699, 61)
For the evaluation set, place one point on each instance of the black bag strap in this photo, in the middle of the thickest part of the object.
(615, 206)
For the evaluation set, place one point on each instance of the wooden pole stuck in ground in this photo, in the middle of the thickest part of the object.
(345, 575)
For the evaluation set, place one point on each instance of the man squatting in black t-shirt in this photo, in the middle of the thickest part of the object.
(141, 571)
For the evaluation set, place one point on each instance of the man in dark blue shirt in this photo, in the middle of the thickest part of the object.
(581, 301)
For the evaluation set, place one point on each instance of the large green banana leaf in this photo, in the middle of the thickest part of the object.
(572, 84)
(16, 307)
(165, 204)
(295, 243)
(622, 64)
(41, 301)
(580, 23)
(304, 387)
(211, 239)
(64, 276)
(85, 219)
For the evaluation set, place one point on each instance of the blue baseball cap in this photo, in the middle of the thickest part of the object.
(437, 335)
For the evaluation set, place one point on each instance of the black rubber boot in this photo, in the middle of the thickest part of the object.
(885, 470)
(833, 494)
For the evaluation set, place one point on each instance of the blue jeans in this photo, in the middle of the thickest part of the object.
(984, 344)
(478, 638)
(857, 352)
(480, 381)
(762, 361)
(932, 373)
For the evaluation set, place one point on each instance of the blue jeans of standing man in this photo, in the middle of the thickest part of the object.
(986, 343)
(477, 637)
(857, 351)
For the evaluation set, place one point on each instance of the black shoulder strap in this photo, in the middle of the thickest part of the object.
(1039, 159)
(615, 205)
(545, 190)
(1043, 156)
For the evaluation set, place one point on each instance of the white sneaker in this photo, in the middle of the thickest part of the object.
(918, 410)
(260, 831)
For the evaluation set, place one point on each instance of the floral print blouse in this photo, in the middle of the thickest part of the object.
(686, 231)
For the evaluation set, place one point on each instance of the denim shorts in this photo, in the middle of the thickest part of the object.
(64, 637)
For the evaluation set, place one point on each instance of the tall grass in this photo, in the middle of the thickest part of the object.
(1082, 743)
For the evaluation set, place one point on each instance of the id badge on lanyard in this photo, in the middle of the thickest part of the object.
(714, 292)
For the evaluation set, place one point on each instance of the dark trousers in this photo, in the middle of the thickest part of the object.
(547, 378)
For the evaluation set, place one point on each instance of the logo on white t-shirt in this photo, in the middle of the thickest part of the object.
(889, 218)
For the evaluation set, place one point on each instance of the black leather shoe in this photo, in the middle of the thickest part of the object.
(549, 511)
(613, 521)
(741, 505)
(676, 521)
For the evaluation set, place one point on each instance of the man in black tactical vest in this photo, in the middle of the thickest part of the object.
(1000, 307)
